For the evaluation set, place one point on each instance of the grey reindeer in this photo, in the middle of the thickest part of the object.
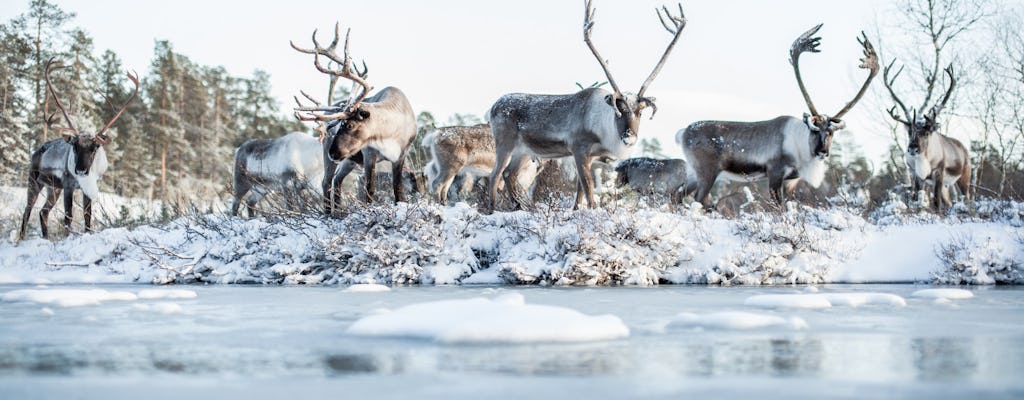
(379, 127)
(650, 176)
(587, 124)
(785, 150)
(931, 156)
(289, 164)
(75, 161)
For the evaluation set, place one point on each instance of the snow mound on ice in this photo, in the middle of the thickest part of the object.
(504, 319)
(150, 294)
(159, 308)
(67, 297)
(807, 301)
(861, 299)
(735, 320)
(367, 288)
(948, 294)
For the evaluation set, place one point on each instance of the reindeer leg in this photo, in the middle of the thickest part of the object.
(584, 180)
(44, 214)
(33, 194)
(937, 175)
(915, 186)
(397, 169)
(776, 175)
(443, 182)
(500, 163)
(511, 181)
(69, 208)
(241, 189)
(87, 212)
(369, 165)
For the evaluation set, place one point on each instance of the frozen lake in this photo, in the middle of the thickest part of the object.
(889, 341)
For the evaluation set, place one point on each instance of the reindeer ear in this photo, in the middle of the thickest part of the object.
(69, 137)
(362, 114)
(608, 99)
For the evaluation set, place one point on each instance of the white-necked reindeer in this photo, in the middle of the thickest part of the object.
(466, 151)
(381, 126)
(931, 156)
(76, 161)
(785, 149)
(587, 124)
(289, 164)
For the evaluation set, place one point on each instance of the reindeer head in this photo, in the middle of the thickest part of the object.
(821, 125)
(84, 144)
(919, 128)
(347, 123)
(628, 107)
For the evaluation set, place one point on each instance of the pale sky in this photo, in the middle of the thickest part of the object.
(459, 56)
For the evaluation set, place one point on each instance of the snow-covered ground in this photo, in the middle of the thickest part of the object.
(469, 342)
(422, 243)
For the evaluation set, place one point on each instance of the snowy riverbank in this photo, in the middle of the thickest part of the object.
(422, 243)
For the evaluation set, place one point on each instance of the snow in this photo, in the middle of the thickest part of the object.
(948, 294)
(67, 297)
(503, 319)
(803, 301)
(423, 243)
(818, 300)
(735, 320)
(367, 288)
(861, 299)
(150, 294)
(159, 308)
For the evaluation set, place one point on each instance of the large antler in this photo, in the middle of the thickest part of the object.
(347, 71)
(678, 23)
(888, 85)
(588, 24)
(949, 92)
(869, 62)
(806, 42)
(51, 64)
(101, 136)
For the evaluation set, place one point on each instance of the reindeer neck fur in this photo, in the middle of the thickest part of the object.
(941, 151)
(392, 123)
(57, 164)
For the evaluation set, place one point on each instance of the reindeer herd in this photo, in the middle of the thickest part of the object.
(523, 131)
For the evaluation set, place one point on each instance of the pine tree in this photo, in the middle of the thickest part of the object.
(43, 23)
(14, 51)
(165, 126)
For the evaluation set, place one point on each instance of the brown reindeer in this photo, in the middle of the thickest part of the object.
(931, 156)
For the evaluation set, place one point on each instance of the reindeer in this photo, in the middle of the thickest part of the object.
(931, 156)
(289, 163)
(785, 149)
(587, 124)
(466, 151)
(648, 175)
(381, 126)
(76, 161)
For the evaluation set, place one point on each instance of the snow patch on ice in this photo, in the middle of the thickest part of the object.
(367, 288)
(735, 320)
(862, 299)
(159, 308)
(67, 297)
(948, 294)
(805, 301)
(150, 294)
(504, 319)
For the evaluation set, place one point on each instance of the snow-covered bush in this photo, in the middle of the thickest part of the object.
(797, 246)
(971, 261)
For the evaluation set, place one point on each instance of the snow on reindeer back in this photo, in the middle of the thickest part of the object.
(504, 319)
